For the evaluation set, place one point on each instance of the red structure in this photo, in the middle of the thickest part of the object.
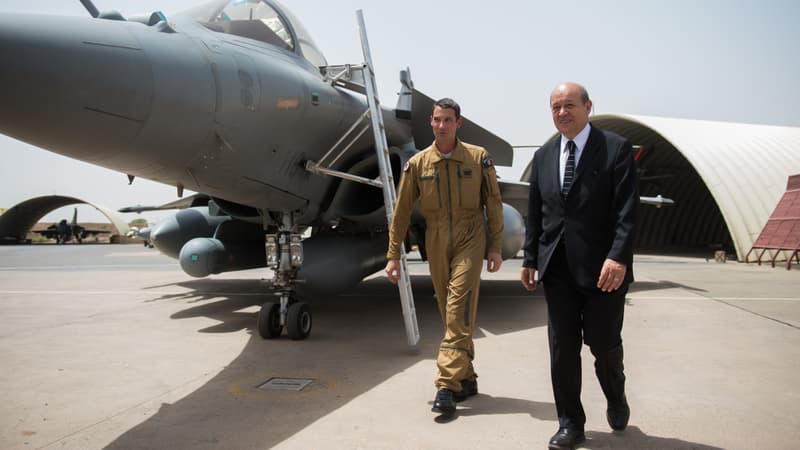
(782, 231)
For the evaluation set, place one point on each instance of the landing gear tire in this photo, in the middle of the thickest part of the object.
(298, 321)
(269, 320)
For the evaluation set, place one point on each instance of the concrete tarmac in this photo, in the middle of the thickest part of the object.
(115, 347)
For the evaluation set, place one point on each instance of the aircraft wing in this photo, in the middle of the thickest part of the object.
(87, 232)
(181, 203)
(48, 233)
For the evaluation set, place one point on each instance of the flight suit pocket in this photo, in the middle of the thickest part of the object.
(469, 187)
(430, 196)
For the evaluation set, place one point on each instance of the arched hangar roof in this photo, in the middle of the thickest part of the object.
(18, 220)
(725, 178)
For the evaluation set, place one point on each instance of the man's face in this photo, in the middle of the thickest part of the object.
(570, 114)
(444, 124)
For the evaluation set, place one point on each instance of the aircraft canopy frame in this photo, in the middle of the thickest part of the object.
(260, 20)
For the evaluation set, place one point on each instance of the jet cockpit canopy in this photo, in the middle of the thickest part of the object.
(263, 20)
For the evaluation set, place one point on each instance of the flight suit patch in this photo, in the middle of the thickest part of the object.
(487, 162)
(467, 172)
(407, 167)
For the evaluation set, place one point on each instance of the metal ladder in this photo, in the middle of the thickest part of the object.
(361, 78)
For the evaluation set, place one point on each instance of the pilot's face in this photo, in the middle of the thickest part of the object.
(445, 125)
(570, 113)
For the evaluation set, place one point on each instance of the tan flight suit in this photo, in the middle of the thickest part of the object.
(452, 193)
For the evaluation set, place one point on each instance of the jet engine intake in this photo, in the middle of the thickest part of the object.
(361, 203)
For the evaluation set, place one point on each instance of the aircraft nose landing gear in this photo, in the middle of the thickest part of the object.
(284, 256)
(296, 317)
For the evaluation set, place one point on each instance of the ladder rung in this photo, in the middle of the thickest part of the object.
(311, 166)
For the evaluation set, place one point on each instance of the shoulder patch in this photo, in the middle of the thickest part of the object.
(407, 167)
(487, 162)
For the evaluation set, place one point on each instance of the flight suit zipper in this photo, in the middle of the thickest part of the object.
(458, 173)
(439, 189)
(449, 200)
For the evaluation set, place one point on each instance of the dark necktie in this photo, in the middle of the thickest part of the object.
(569, 170)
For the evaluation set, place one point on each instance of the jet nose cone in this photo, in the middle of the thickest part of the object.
(78, 86)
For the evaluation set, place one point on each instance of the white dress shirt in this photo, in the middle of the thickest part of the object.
(580, 143)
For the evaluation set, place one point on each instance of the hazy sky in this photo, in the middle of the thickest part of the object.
(726, 60)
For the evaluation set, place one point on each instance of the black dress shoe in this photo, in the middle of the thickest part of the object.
(444, 403)
(468, 389)
(618, 415)
(566, 439)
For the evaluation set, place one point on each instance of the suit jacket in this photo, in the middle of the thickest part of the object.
(597, 220)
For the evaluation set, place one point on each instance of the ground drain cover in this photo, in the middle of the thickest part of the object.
(285, 384)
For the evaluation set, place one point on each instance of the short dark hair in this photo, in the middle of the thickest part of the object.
(448, 103)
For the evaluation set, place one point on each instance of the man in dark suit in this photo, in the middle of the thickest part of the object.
(582, 215)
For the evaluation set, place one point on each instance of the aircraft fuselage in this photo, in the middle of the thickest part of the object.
(212, 112)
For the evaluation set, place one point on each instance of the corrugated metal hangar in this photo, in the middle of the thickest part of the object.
(725, 178)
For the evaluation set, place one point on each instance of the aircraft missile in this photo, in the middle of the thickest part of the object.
(658, 201)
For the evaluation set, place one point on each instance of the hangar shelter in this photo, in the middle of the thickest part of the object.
(18, 220)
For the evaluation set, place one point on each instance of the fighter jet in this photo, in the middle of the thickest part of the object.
(64, 231)
(233, 100)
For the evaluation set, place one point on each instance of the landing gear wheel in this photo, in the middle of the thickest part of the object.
(298, 321)
(269, 320)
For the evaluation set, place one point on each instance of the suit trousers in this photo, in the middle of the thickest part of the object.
(577, 314)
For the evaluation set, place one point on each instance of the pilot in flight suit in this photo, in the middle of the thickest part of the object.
(452, 187)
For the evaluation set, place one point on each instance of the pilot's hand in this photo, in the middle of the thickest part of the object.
(493, 261)
(393, 270)
(528, 278)
(612, 275)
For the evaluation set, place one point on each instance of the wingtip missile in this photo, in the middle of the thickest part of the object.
(658, 201)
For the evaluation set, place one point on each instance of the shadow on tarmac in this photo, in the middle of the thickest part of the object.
(357, 342)
(633, 438)
(643, 286)
(486, 405)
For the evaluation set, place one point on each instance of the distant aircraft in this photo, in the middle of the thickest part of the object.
(231, 99)
(64, 232)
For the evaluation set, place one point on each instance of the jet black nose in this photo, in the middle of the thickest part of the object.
(77, 85)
